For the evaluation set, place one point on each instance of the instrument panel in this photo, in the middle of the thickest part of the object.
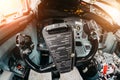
(82, 45)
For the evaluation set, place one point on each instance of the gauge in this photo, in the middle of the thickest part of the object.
(82, 44)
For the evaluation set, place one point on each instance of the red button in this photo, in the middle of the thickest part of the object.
(105, 68)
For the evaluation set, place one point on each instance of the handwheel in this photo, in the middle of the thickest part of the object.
(60, 42)
(59, 38)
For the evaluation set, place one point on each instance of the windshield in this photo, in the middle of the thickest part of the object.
(12, 9)
(8, 7)
(112, 7)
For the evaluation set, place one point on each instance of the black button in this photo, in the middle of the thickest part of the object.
(78, 43)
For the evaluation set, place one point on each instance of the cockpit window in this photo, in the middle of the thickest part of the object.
(11, 9)
(8, 7)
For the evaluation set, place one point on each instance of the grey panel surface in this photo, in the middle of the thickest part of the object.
(6, 75)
